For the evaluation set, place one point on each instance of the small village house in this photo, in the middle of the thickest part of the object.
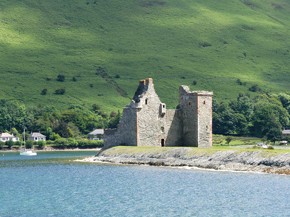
(96, 134)
(285, 137)
(4, 137)
(286, 134)
(36, 137)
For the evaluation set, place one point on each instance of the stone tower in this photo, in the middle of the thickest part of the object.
(196, 108)
(147, 122)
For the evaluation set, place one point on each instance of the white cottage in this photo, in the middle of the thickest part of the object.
(96, 134)
(37, 137)
(4, 137)
(286, 133)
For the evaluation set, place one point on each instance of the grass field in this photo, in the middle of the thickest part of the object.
(213, 43)
(129, 150)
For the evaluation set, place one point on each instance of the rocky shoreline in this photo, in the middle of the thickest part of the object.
(230, 160)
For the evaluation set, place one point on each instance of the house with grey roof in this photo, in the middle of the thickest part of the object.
(96, 134)
(286, 133)
(36, 137)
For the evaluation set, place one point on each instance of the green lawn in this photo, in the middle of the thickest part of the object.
(175, 42)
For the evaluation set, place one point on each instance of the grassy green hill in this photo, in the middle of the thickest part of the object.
(104, 47)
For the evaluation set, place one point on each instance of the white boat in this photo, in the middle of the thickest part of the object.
(27, 152)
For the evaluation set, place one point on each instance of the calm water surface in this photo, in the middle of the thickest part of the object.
(51, 184)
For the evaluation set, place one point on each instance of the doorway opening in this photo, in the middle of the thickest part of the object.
(162, 142)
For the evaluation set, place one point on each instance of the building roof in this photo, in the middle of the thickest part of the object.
(6, 135)
(97, 132)
(286, 132)
(39, 135)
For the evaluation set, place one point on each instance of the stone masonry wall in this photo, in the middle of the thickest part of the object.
(126, 133)
(147, 122)
(196, 107)
(204, 113)
(188, 107)
(150, 122)
(173, 128)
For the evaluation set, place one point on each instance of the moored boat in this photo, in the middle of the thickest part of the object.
(24, 151)
(27, 152)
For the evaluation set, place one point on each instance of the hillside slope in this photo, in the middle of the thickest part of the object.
(104, 47)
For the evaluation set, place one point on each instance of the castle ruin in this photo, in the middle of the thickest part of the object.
(147, 122)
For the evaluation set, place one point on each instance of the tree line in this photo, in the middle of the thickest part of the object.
(72, 122)
(264, 116)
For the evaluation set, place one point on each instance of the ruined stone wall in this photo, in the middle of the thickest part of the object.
(173, 128)
(150, 121)
(147, 122)
(188, 107)
(126, 133)
(204, 113)
(196, 109)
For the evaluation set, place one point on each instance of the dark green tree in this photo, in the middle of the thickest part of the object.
(12, 114)
(274, 134)
(267, 117)
(224, 120)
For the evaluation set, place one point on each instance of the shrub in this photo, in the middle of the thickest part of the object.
(44, 91)
(239, 82)
(60, 78)
(96, 107)
(17, 143)
(255, 88)
(74, 79)
(100, 71)
(49, 142)
(59, 91)
(85, 143)
(61, 143)
(2, 145)
(72, 143)
(28, 144)
(40, 144)
(55, 136)
(9, 144)
(228, 140)
(194, 82)
(204, 44)
(117, 76)
(78, 143)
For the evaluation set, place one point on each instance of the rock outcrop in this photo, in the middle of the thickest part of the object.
(268, 161)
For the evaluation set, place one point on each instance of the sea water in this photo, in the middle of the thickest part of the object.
(52, 184)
